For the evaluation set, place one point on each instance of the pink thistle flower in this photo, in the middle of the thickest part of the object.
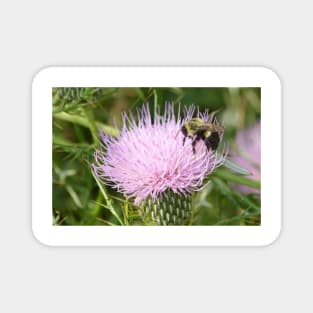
(248, 153)
(148, 158)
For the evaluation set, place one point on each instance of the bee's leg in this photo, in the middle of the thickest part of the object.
(195, 140)
(208, 144)
(184, 131)
(194, 146)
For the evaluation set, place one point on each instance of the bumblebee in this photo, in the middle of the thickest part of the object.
(197, 129)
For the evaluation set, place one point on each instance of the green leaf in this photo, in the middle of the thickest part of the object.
(231, 177)
(74, 196)
(107, 199)
(83, 121)
(235, 168)
(225, 190)
(229, 221)
(233, 195)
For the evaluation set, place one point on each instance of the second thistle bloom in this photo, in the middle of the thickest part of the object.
(148, 157)
(248, 153)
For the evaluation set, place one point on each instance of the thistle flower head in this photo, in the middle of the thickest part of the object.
(148, 157)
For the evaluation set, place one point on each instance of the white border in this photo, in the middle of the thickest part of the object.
(262, 77)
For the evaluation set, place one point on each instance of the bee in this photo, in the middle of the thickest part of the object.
(197, 129)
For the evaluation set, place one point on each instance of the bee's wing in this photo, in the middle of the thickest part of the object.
(220, 128)
(215, 127)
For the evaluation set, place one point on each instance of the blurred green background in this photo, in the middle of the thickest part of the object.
(79, 114)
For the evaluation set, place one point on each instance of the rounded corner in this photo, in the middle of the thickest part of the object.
(40, 74)
(273, 238)
(272, 74)
(38, 239)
